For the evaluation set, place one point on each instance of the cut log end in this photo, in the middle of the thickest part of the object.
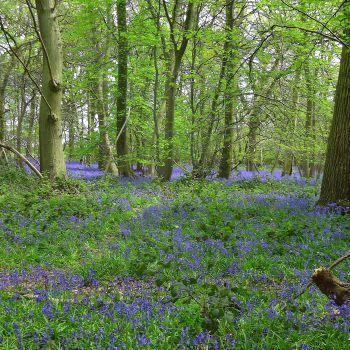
(331, 286)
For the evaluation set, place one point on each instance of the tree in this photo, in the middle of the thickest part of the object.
(50, 130)
(122, 143)
(336, 179)
(225, 168)
(5, 69)
(174, 59)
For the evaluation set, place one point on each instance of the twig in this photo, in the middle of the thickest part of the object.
(124, 125)
(31, 166)
(14, 52)
(29, 5)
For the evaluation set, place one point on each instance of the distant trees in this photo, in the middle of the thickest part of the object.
(213, 86)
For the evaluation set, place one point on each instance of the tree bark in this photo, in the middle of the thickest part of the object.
(331, 286)
(31, 124)
(289, 157)
(122, 142)
(307, 163)
(226, 162)
(50, 129)
(336, 179)
(174, 64)
(5, 70)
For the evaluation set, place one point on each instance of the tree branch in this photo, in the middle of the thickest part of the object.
(31, 166)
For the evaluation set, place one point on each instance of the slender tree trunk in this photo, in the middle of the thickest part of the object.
(174, 64)
(289, 157)
(202, 167)
(50, 129)
(253, 125)
(336, 179)
(105, 157)
(156, 132)
(308, 122)
(31, 124)
(22, 110)
(5, 70)
(170, 96)
(122, 143)
(226, 162)
(2, 114)
(72, 120)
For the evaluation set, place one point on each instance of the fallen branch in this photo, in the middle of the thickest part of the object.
(328, 284)
(31, 166)
(331, 286)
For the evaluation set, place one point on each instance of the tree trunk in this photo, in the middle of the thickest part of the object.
(72, 120)
(170, 96)
(253, 125)
(156, 133)
(289, 157)
(31, 125)
(2, 114)
(306, 165)
(50, 129)
(22, 111)
(122, 144)
(226, 162)
(174, 64)
(5, 70)
(336, 179)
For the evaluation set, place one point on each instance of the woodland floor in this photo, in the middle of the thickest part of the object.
(131, 264)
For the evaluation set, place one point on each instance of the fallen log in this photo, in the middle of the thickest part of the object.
(331, 286)
(25, 160)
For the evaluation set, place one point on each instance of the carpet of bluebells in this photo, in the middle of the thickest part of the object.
(97, 262)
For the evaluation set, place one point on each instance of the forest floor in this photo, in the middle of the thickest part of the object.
(131, 264)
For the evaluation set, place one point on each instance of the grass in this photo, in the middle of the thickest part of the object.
(111, 264)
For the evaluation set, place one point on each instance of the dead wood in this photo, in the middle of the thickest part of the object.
(31, 166)
(331, 286)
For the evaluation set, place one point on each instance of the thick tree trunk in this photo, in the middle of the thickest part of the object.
(226, 162)
(336, 179)
(50, 129)
(122, 143)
